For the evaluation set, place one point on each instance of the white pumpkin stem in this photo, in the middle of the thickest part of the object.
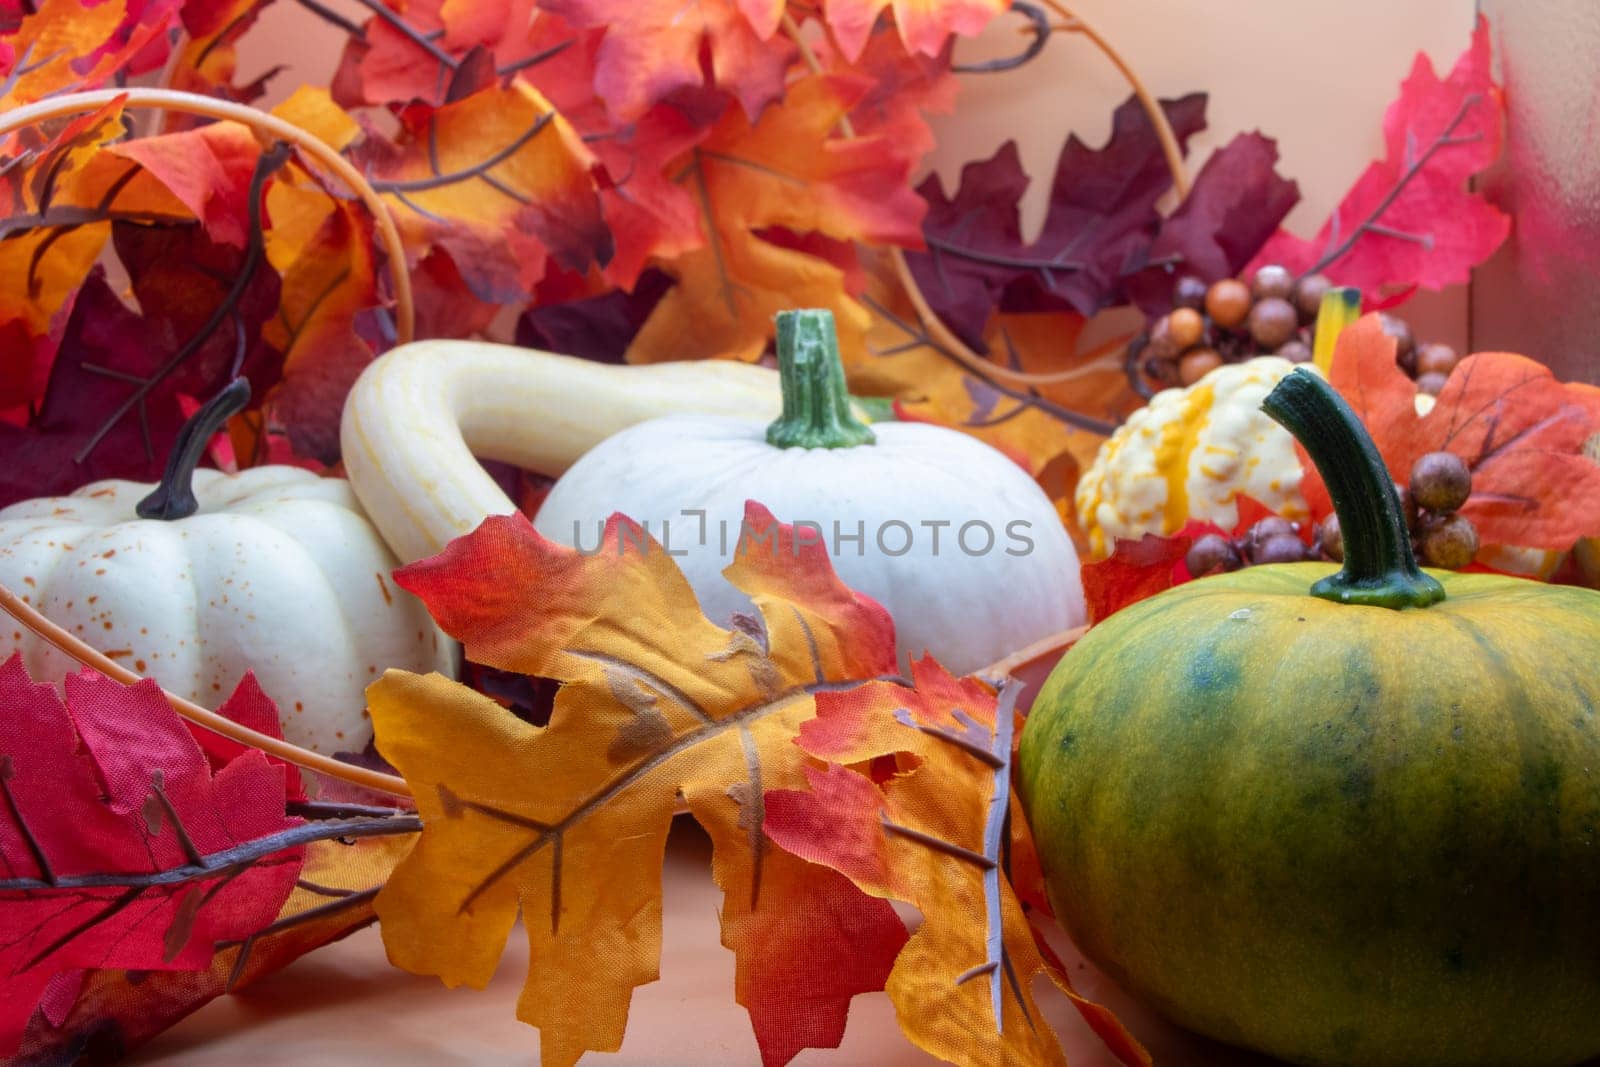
(816, 401)
(90, 657)
(173, 498)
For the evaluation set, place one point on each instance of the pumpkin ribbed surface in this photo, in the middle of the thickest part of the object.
(1339, 834)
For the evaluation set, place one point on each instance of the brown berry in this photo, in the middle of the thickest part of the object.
(1295, 351)
(1257, 537)
(1159, 344)
(1436, 359)
(1210, 554)
(1163, 372)
(1408, 506)
(1272, 281)
(1186, 326)
(1440, 481)
(1197, 363)
(1405, 345)
(1279, 548)
(1189, 292)
(1331, 539)
(1273, 322)
(1449, 541)
(1228, 302)
(1308, 293)
(1432, 384)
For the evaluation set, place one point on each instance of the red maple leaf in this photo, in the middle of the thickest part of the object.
(1410, 219)
(120, 846)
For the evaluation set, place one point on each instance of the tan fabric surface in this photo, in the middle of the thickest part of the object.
(345, 1004)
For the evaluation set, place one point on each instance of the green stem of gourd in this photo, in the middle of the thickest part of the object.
(1379, 568)
(816, 402)
(174, 497)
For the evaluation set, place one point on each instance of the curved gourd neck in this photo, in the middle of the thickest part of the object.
(816, 402)
(173, 498)
(1379, 566)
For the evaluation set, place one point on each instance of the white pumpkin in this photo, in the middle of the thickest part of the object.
(278, 572)
(957, 541)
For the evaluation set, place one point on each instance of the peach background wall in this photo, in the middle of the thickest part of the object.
(1316, 76)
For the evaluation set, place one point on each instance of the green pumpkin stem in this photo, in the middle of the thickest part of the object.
(816, 403)
(174, 497)
(1379, 568)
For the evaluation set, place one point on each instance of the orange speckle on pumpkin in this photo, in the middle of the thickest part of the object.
(298, 706)
(108, 553)
(144, 629)
(339, 734)
(138, 665)
(28, 580)
(100, 570)
(217, 686)
(16, 635)
(383, 587)
(366, 714)
(91, 600)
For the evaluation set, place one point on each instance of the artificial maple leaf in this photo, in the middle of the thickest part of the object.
(329, 279)
(653, 49)
(935, 836)
(569, 822)
(115, 1011)
(63, 45)
(1101, 215)
(1236, 202)
(208, 58)
(208, 169)
(1519, 430)
(1132, 572)
(497, 179)
(925, 26)
(51, 229)
(120, 847)
(746, 177)
(905, 88)
(1410, 219)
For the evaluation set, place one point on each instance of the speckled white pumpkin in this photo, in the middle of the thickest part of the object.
(279, 572)
(967, 602)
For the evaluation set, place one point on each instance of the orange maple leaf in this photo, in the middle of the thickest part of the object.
(498, 179)
(1521, 432)
(788, 171)
(653, 49)
(568, 823)
(935, 836)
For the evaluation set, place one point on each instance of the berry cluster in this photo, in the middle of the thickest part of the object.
(1428, 365)
(1440, 535)
(1275, 314)
(1230, 321)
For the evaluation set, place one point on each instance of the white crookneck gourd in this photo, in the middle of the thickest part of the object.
(418, 414)
(957, 541)
(206, 575)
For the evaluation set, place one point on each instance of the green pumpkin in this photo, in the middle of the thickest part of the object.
(1356, 827)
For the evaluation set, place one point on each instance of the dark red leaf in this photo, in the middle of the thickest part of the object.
(1101, 216)
(1236, 203)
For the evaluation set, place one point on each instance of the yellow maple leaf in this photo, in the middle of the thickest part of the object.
(568, 823)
